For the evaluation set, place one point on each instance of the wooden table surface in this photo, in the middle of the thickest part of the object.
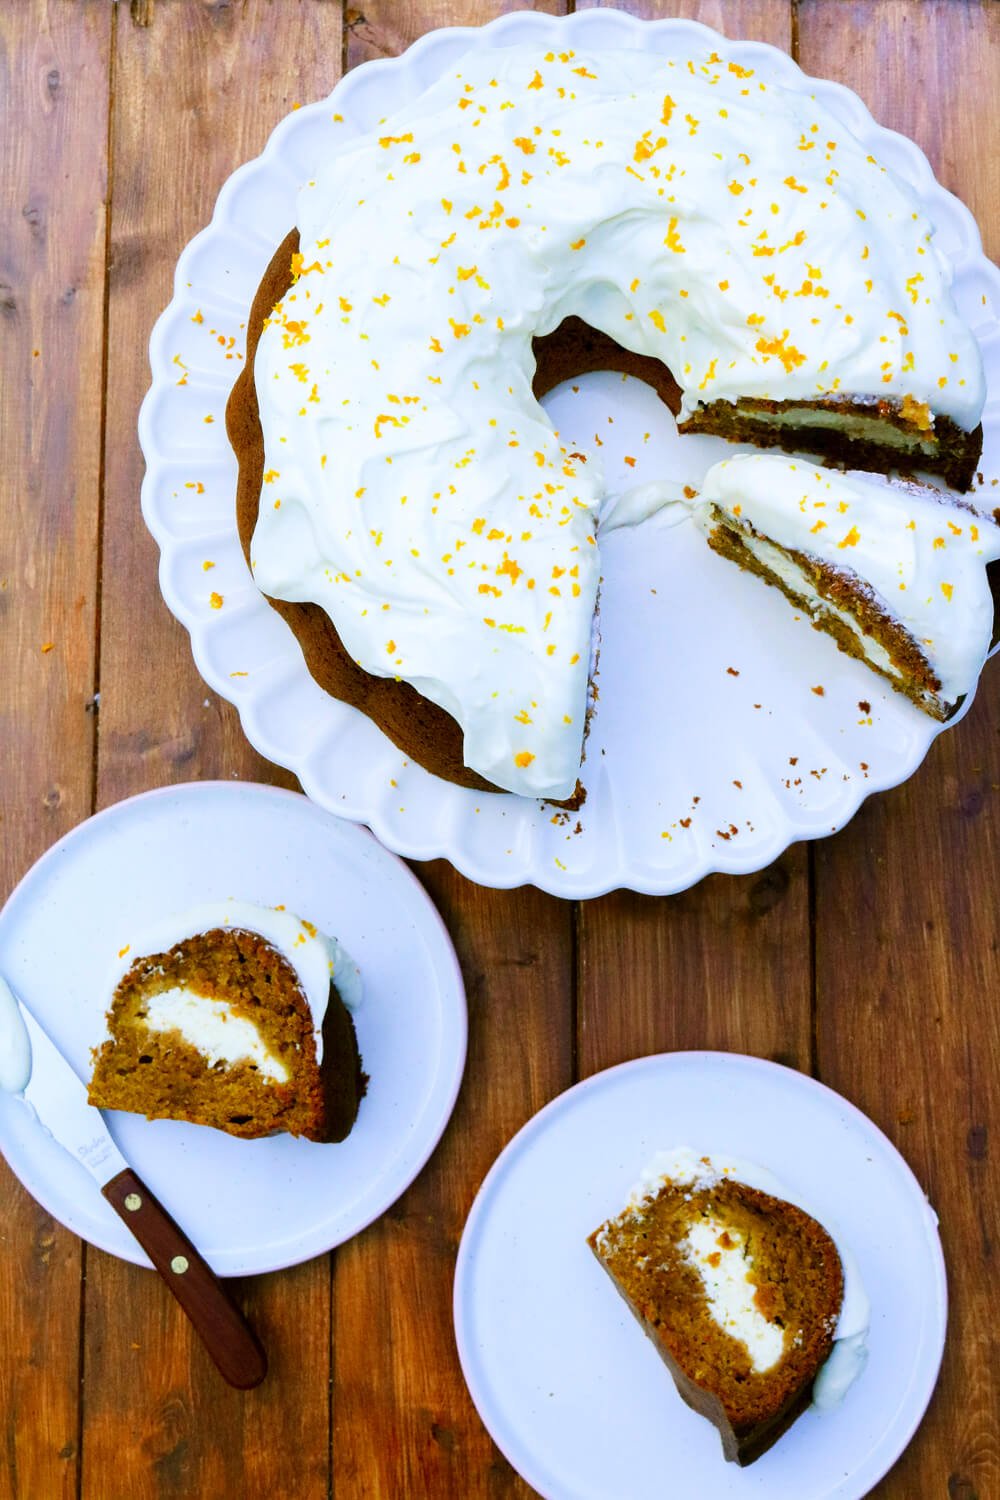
(868, 960)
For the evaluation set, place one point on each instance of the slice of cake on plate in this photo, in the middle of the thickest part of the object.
(235, 1016)
(754, 1308)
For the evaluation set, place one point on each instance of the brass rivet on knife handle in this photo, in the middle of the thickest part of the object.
(223, 1329)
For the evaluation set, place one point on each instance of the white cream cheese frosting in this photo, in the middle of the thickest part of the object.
(920, 554)
(316, 959)
(414, 488)
(849, 1354)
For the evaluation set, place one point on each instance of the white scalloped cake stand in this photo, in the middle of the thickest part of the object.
(725, 730)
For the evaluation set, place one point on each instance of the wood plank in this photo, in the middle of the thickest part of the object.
(907, 1027)
(54, 87)
(404, 1423)
(384, 28)
(198, 89)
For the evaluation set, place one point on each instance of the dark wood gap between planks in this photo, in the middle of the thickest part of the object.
(105, 332)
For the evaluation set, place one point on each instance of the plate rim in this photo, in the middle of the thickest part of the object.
(118, 1242)
(652, 1063)
(616, 872)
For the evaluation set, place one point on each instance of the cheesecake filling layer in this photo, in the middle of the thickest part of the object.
(726, 1269)
(211, 1027)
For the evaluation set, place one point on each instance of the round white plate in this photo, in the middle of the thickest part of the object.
(690, 767)
(249, 1206)
(568, 1385)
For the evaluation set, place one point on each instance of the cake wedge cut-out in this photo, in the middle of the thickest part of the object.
(752, 1305)
(238, 1017)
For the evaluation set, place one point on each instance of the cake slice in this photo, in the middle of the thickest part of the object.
(895, 573)
(234, 1016)
(741, 1292)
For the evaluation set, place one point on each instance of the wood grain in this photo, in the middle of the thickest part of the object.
(404, 1424)
(198, 88)
(906, 943)
(54, 64)
(384, 28)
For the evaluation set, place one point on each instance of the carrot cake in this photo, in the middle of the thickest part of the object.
(235, 1016)
(754, 1308)
(897, 574)
(401, 480)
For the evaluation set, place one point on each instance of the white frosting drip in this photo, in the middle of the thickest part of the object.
(850, 1349)
(315, 957)
(211, 1027)
(921, 555)
(725, 1273)
(413, 486)
(848, 1358)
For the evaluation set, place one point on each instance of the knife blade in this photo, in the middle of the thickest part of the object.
(58, 1100)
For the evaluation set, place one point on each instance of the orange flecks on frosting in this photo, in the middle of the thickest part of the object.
(645, 147)
(790, 357)
(917, 413)
(672, 240)
(947, 590)
(523, 759)
(852, 538)
(215, 600)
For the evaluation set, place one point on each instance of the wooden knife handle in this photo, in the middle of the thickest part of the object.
(223, 1329)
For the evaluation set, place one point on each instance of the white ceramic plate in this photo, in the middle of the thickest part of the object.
(689, 767)
(249, 1206)
(570, 1388)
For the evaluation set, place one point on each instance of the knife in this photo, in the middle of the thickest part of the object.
(35, 1071)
